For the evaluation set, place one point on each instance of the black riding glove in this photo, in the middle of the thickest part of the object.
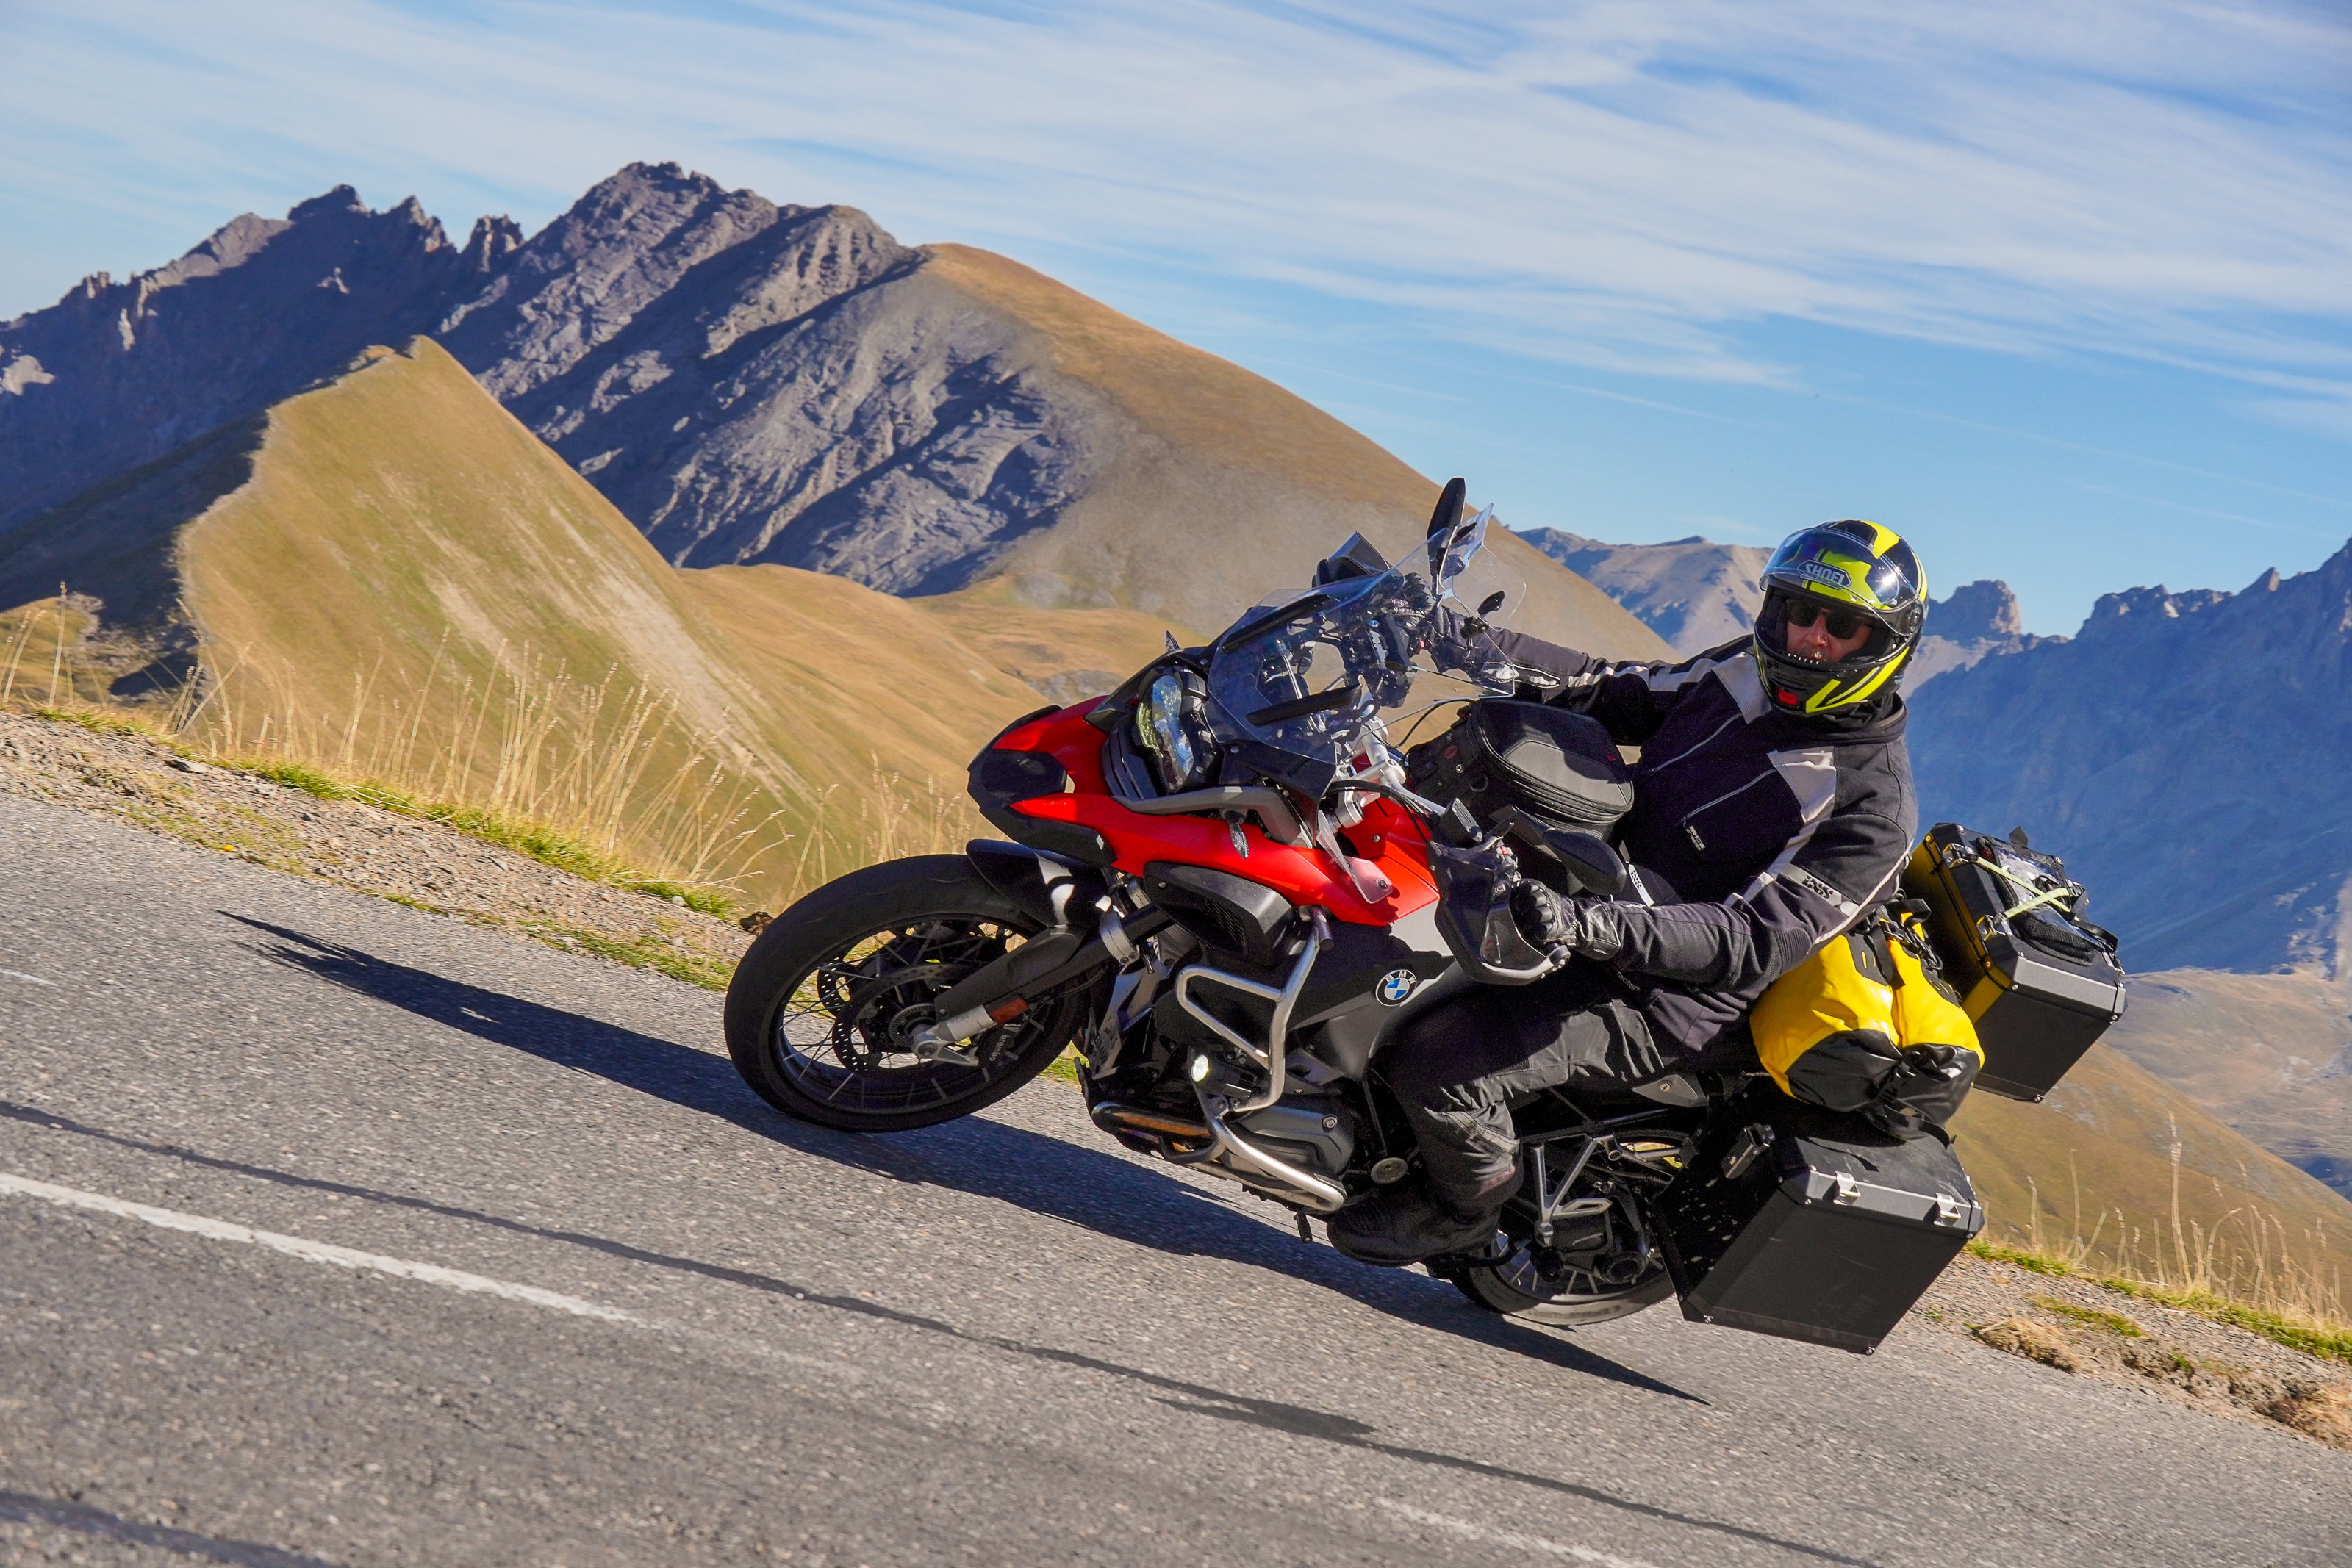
(1587, 928)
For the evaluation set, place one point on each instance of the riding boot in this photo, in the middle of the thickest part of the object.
(1393, 1226)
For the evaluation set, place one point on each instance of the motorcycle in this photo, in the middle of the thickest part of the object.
(1220, 889)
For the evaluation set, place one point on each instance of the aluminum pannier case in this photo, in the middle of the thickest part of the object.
(2041, 981)
(1812, 1225)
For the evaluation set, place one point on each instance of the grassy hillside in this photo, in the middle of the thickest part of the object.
(1242, 486)
(2267, 1053)
(1065, 654)
(399, 580)
(2092, 1173)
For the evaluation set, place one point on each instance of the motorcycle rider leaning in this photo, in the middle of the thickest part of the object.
(1772, 804)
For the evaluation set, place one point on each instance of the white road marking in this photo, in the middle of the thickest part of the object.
(29, 979)
(1510, 1538)
(314, 1251)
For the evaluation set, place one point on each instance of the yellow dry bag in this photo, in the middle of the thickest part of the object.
(1867, 1025)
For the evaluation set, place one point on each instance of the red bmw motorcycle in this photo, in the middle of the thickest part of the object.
(1220, 889)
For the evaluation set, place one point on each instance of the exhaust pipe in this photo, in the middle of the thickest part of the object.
(1113, 1117)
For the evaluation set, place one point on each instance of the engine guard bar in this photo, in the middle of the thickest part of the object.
(1247, 1160)
(1273, 1055)
(1240, 1159)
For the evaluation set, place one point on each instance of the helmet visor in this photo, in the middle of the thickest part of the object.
(1823, 563)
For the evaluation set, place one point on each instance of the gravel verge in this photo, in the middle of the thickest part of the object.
(2079, 1328)
(417, 862)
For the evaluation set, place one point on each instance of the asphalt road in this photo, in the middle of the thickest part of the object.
(595, 1303)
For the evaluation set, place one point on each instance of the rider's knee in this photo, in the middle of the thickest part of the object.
(1426, 1063)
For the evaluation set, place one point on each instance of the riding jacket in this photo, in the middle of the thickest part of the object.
(1756, 835)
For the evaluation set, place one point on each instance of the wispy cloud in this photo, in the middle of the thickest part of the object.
(1628, 184)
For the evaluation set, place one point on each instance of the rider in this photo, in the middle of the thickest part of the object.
(1772, 804)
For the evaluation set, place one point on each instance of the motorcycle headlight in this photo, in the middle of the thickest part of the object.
(1167, 723)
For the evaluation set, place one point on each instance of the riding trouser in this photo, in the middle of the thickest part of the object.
(1456, 1069)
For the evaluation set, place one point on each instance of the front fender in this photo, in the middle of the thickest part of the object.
(1051, 890)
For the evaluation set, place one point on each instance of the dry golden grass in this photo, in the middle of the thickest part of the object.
(2122, 1175)
(549, 766)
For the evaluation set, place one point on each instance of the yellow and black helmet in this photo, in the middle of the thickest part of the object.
(1859, 574)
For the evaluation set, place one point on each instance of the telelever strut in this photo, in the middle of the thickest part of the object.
(1000, 991)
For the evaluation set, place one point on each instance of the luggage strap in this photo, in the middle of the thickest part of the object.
(2062, 898)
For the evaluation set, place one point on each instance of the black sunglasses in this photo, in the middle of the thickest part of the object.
(1842, 624)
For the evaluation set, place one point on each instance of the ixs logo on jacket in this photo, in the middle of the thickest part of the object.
(1396, 986)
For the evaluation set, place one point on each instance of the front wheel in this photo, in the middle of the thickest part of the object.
(821, 1011)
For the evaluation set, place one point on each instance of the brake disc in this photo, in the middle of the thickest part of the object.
(867, 1027)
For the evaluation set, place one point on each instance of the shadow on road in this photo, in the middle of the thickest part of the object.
(1108, 1193)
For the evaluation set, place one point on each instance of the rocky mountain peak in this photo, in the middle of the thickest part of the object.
(341, 199)
(117, 374)
(1976, 610)
(492, 242)
(630, 240)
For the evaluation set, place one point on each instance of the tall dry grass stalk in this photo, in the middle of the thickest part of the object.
(18, 682)
(608, 762)
(2248, 1256)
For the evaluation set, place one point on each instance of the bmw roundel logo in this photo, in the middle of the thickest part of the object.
(1396, 985)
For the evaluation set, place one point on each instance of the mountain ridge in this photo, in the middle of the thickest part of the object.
(252, 314)
(1698, 594)
(749, 382)
(2181, 750)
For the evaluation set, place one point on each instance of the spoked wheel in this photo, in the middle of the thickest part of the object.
(820, 1014)
(1570, 1298)
(1607, 1268)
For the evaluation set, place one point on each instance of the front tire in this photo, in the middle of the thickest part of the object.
(819, 1010)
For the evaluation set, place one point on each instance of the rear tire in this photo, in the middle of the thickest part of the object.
(1510, 1288)
(819, 1007)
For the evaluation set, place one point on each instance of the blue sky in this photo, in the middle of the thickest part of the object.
(2062, 292)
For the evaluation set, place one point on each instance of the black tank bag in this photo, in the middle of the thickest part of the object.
(1557, 765)
(2041, 981)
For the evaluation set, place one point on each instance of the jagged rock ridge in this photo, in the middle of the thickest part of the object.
(118, 375)
(2185, 751)
(1698, 594)
(754, 382)
(750, 381)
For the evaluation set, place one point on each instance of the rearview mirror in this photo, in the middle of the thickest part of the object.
(1448, 515)
(1444, 523)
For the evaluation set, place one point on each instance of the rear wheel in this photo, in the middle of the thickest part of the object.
(822, 1009)
(1518, 1288)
